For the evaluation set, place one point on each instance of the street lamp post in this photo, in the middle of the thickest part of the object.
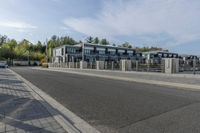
(83, 47)
(47, 50)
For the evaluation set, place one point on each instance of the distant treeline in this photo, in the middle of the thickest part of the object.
(23, 50)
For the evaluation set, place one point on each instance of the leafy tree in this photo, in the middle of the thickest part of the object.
(3, 39)
(126, 45)
(22, 50)
(89, 39)
(104, 42)
(6, 53)
(67, 40)
(147, 49)
(10, 44)
(96, 40)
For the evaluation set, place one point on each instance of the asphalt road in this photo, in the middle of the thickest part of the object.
(120, 106)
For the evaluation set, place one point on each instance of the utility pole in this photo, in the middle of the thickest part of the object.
(83, 47)
(29, 54)
(47, 50)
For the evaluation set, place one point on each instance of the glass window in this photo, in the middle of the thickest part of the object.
(151, 55)
(165, 55)
(87, 51)
(160, 55)
(112, 52)
(101, 52)
(71, 50)
(130, 54)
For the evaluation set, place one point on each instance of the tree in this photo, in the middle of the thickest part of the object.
(126, 45)
(10, 44)
(3, 39)
(104, 42)
(147, 49)
(66, 40)
(96, 40)
(89, 39)
(6, 53)
(22, 49)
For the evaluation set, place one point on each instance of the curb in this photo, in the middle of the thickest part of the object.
(67, 119)
(161, 83)
(135, 72)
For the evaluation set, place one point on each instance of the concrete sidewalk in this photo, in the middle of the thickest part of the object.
(187, 81)
(25, 108)
(20, 110)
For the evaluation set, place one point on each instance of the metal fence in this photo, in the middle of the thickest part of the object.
(112, 65)
(116, 65)
(189, 66)
(185, 67)
(91, 65)
(150, 67)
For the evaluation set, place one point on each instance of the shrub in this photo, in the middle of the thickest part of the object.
(45, 65)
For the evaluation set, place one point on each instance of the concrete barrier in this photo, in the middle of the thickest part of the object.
(171, 65)
(100, 65)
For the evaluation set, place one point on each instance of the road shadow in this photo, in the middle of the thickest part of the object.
(17, 109)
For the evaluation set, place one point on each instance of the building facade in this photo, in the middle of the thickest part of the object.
(91, 53)
(157, 56)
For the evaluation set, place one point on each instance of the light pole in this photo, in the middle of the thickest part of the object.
(47, 50)
(83, 47)
(29, 53)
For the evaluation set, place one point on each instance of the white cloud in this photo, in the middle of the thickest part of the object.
(178, 19)
(20, 26)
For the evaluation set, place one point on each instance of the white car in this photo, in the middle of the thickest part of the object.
(3, 65)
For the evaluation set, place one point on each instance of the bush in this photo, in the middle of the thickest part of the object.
(45, 65)
(44, 60)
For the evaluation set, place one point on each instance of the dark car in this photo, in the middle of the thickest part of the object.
(3, 65)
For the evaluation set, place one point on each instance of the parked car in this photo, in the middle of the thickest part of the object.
(3, 65)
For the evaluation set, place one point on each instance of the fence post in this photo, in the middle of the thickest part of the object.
(194, 66)
(171, 65)
(136, 65)
(83, 64)
(148, 65)
(112, 65)
(123, 65)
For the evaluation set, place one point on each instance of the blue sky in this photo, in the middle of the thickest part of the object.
(171, 24)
